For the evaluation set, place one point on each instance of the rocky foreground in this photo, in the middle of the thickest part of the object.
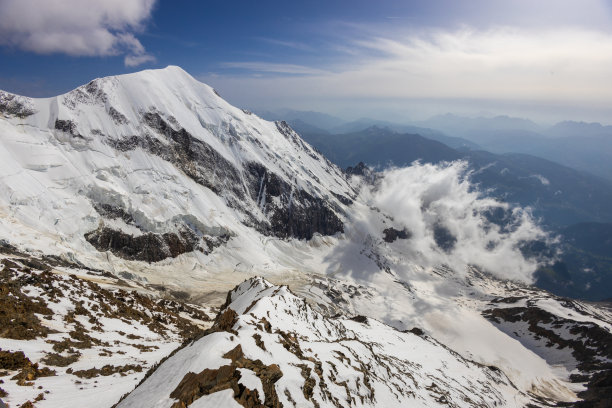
(132, 204)
(70, 335)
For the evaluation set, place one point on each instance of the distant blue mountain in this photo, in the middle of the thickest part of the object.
(582, 146)
(318, 120)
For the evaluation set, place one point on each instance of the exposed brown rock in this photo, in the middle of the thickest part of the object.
(108, 370)
(309, 382)
(194, 386)
(11, 361)
(30, 373)
(226, 320)
(18, 311)
(259, 342)
(57, 360)
(78, 339)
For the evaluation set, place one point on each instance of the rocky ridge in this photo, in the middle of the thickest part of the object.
(269, 348)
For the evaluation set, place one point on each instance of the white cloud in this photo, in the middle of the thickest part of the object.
(77, 27)
(541, 179)
(275, 68)
(517, 67)
(425, 196)
(499, 63)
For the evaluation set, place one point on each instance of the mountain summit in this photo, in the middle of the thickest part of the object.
(155, 164)
(130, 206)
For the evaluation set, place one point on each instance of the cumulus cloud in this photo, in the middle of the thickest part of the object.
(438, 203)
(77, 27)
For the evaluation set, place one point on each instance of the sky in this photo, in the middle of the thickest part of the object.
(400, 60)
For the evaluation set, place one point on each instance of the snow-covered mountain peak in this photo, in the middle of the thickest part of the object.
(249, 289)
(397, 295)
(155, 164)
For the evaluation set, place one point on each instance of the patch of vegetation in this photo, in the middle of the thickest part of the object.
(18, 311)
(57, 360)
(108, 370)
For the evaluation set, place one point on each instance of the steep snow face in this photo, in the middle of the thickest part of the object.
(270, 347)
(155, 164)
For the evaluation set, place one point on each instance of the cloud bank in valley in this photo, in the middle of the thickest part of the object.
(438, 205)
(77, 27)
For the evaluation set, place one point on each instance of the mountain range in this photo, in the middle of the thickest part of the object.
(558, 195)
(580, 145)
(160, 247)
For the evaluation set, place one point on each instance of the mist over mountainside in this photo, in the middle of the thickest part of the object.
(557, 195)
(571, 128)
(463, 125)
(147, 201)
(318, 120)
(382, 147)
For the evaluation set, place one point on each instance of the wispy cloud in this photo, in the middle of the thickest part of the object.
(275, 68)
(76, 27)
(288, 44)
(501, 63)
(522, 65)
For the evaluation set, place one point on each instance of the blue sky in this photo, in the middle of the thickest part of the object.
(400, 60)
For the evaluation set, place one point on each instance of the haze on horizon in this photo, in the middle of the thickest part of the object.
(392, 60)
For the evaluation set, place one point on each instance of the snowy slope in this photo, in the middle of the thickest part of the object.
(73, 337)
(152, 165)
(153, 177)
(269, 346)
